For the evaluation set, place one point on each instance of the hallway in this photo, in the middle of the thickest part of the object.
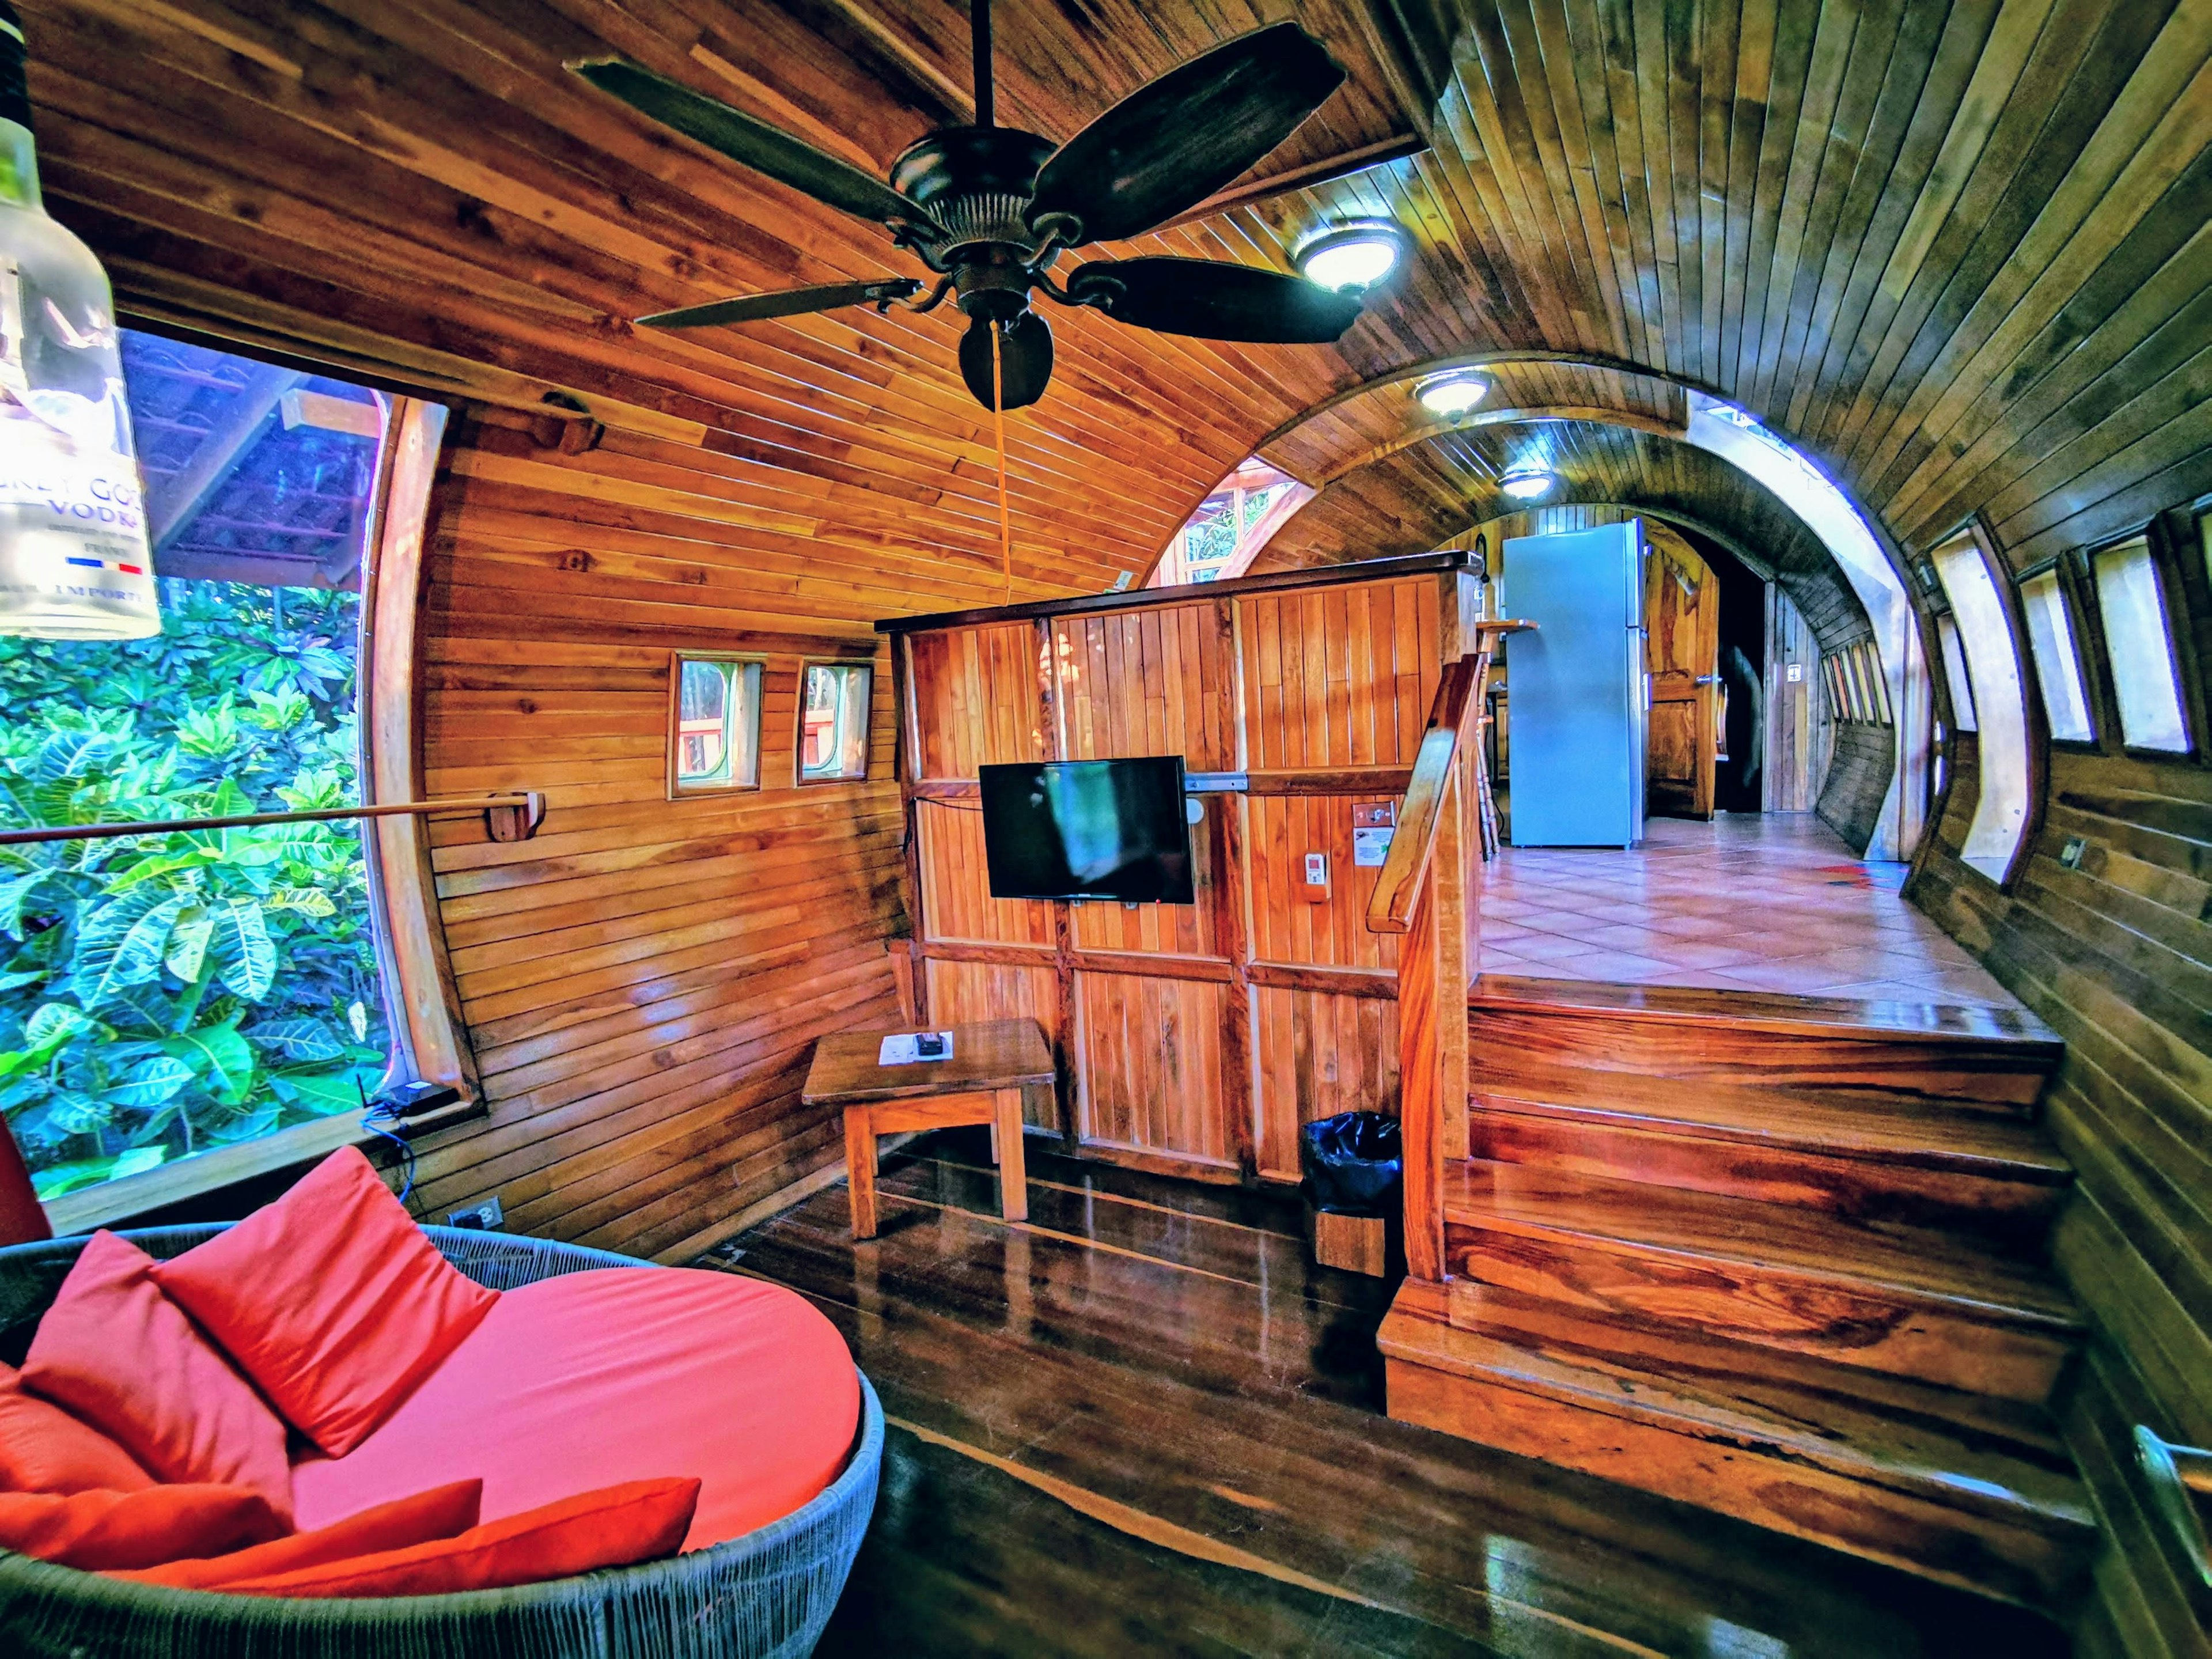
(1772, 901)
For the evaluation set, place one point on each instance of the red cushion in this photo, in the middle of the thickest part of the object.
(441, 1513)
(122, 1357)
(44, 1449)
(331, 1298)
(97, 1530)
(642, 1521)
(620, 1374)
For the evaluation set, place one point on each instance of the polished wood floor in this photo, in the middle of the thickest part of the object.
(1141, 1422)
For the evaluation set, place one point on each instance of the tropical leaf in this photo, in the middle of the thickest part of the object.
(301, 1039)
(188, 942)
(150, 1083)
(245, 956)
(221, 1060)
(68, 755)
(324, 1093)
(304, 901)
(64, 1178)
(73, 1112)
(54, 1024)
(124, 944)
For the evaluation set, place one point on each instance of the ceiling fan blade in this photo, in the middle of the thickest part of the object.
(758, 145)
(1174, 142)
(1025, 356)
(1214, 301)
(790, 302)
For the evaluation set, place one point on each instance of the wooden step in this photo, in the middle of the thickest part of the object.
(1909, 1301)
(1577, 1041)
(1998, 1178)
(1973, 1493)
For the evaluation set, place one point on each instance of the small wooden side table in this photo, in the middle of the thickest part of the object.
(982, 1083)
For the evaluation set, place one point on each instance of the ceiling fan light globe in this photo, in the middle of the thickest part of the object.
(1352, 258)
(1447, 395)
(1525, 482)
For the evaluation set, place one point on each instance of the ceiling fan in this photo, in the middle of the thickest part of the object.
(989, 208)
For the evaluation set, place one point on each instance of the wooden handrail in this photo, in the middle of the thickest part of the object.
(1405, 867)
(2178, 1476)
(509, 818)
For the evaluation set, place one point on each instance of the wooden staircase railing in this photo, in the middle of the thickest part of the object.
(1424, 894)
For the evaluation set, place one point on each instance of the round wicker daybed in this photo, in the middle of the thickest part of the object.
(768, 1593)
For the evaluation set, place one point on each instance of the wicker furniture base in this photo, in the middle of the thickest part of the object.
(765, 1596)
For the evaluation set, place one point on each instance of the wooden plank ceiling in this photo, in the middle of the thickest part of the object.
(1956, 252)
(1422, 495)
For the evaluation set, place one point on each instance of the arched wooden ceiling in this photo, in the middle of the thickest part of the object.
(1956, 251)
(1423, 494)
(1342, 436)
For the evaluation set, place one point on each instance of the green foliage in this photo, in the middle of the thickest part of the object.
(161, 995)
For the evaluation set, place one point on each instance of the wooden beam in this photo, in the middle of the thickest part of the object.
(182, 498)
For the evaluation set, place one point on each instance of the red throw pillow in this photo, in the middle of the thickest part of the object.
(44, 1449)
(122, 1357)
(332, 1299)
(441, 1513)
(103, 1529)
(615, 1527)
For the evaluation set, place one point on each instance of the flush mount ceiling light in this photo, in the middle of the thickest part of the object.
(1352, 258)
(1451, 394)
(1526, 481)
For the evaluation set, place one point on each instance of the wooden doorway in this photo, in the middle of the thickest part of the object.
(1681, 653)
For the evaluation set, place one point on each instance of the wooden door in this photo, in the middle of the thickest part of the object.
(1681, 652)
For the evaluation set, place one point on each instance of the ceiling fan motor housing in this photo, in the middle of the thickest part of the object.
(975, 182)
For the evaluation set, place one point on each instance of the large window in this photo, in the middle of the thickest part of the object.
(163, 995)
(1981, 632)
(2057, 668)
(2140, 650)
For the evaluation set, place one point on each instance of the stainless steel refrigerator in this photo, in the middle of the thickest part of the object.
(1580, 698)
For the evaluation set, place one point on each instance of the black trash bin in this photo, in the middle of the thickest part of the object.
(1352, 1164)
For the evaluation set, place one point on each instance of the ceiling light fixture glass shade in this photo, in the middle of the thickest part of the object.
(1525, 482)
(1352, 258)
(1451, 394)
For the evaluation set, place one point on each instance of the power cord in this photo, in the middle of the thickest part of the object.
(383, 1107)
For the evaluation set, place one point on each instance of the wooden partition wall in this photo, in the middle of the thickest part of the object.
(1191, 1038)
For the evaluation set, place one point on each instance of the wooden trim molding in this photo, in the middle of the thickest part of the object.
(430, 1038)
(1138, 598)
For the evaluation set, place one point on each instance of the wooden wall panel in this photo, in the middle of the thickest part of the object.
(977, 688)
(957, 902)
(1149, 1070)
(961, 992)
(1287, 927)
(1338, 677)
(1797, 716)
(1318, 1054)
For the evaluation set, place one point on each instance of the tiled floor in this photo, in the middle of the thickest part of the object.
(1747, 902)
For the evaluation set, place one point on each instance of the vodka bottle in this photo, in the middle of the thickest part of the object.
(74, 562)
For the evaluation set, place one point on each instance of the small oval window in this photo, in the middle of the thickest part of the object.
(2133, 610)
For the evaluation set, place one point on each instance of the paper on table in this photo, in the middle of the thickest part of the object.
(903, 1049)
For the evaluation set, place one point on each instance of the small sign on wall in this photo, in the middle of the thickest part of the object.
(1373, 823)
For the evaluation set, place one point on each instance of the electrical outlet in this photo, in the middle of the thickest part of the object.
(484, 1217)
(2070, 855)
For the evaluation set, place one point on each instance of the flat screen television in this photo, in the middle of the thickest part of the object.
(1088, 829)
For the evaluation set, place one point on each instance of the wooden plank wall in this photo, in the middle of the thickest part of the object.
(1195, 1039)
(2115, 950)
(1797, 722)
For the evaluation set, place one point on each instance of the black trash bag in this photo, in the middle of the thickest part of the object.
(1353, 1162)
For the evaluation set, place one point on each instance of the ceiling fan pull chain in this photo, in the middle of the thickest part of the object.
(998, 420)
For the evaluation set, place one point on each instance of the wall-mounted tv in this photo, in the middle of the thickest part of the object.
(1088, 829)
